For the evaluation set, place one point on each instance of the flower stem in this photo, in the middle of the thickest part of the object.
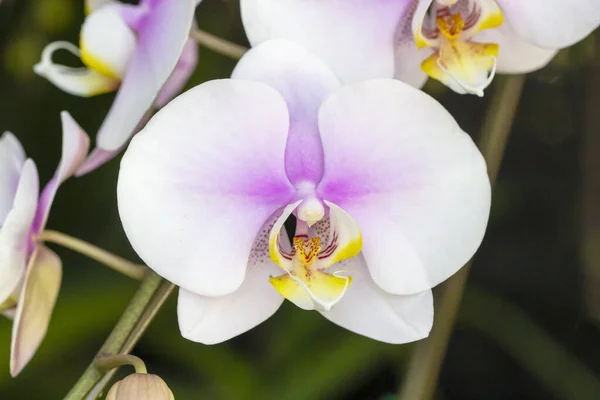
(106, 363)
(119, 335)
(155, 303)
(127, 268)
(424, 367)
(217, 44)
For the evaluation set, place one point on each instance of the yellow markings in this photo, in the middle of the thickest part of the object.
(451, 29)
(96, 63)
(493, 20)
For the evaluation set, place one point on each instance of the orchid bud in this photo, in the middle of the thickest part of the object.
(140, 387)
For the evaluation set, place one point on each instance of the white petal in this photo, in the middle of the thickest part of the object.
(197, 184)
(516, 55)
(369, 311)
(15, 240)
(107, 42)
(82, 82)
(35, 306)
(552, 24)
(415, 183)
(160, 42)
(12, 158)
(355, 37)
(212, 320)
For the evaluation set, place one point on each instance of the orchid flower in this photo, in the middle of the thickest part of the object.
(461, 43)
(389, 195)
(143, 51)
(30, 273)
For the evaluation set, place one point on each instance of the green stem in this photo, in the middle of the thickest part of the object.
(107, 363)
(127, 268)
(158, 299)
(118, 336)
(217, 44)
(421, 379)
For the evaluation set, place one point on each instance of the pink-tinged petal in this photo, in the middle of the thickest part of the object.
(15, 240)
(304, 81)
(162, 35)
(369, 311)
(197, 184)
(74, 150)
(96, 158)
(12, 158)
(183, 70)
(408, 55)
(99, 157)
(37, 300)
(354, 37)
(415, 183)
(211, 320)
(516, 56)
(552, 24)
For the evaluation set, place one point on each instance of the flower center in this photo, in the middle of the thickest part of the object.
(448, 28)
(306, 283)
(309, 281)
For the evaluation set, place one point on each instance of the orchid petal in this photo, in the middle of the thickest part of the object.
(95, 159)
(345, 238)
(107, 42)
(408, 61)
(84, 82)
(369, 311)
(420, 194)
(552, 24)
(160, 41)
(74, 150)
(36, 302)
(15, 242)
(211, 320)
(516, 56)
(304, 81)
(183, 70)
(354, 37)
(12, 158)
(196, 185)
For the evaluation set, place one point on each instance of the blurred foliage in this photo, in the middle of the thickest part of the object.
(523, 334)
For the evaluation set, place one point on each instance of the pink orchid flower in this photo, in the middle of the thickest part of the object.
(461, 43)
(389, 197)
(30, 273)
(143, 51)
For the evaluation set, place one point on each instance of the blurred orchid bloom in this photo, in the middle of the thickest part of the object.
(30, 273)
(389, 195)
(461, 43)
(142, 50)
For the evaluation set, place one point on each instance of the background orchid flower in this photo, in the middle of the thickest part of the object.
(30, 273)
(461, 43)
(142, 50)
(390, 198)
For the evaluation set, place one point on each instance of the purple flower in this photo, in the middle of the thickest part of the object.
(461, 43)
(143, 51)
(30, 273)
(389, 196)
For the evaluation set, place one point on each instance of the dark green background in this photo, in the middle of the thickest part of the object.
(528, 328)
